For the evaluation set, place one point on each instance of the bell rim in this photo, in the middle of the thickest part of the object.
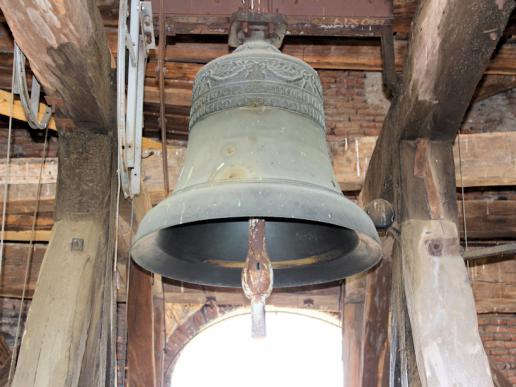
(264, 198)
(360, 261)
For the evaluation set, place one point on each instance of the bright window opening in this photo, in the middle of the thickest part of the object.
(302, 350)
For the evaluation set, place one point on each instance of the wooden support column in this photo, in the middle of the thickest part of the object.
(67, 331)
(67, 339)
(412, 167)
(140, 329)
(365, 324)
(145, 317)
(438, 294)
(374, 340)
(159, 326)
(352, 328)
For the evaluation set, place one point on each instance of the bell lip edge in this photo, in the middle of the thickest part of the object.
(365, 243)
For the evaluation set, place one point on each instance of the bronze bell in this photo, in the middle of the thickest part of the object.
(257, 149)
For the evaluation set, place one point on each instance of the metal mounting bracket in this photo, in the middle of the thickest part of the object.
(137, 40)
(30, 103)
(246, 25)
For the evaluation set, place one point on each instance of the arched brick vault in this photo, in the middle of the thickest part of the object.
(186, 330)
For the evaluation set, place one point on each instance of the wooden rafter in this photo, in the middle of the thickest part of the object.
(60, 51)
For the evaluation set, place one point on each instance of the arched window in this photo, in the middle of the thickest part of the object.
(301, 349)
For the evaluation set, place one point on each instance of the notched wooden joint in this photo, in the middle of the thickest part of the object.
(54, 101)
(442, 246)
(65, 124)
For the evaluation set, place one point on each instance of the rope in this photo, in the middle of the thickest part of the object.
(8, 170)
(128, 276)
(462, 190)
(115, 263)
(464, 222)
(14, 356)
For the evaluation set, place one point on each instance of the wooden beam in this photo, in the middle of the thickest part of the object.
(440, 359)
(324, 298)
(375, 333)
(26, 171)
(492, 85)
(410, 167)
(14, 266)
(13, 270)
(402, 368)
(145, 317)
(159, 326)
(73, 293)
(488, 219)
(428, 102)
(492, 252)
(5, 361)
(67, 49)
(494, 284)
(51, 362)
(341, 55)
(353, 329)
(27, 236)
(60, 41)
(140, 329)
(17, 110)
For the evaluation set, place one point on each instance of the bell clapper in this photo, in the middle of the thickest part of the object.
(257, 275)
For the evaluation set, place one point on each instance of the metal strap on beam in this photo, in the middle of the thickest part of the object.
(30, 103)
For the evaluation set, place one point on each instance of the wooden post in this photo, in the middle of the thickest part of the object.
(140, 330)
(145, 317)
(352, 329)
(375, 345)
(67, 331)
(412, 167)
(67, 338)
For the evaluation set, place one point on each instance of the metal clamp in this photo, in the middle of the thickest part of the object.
(30, 103)
(138, 39)
(248, 25)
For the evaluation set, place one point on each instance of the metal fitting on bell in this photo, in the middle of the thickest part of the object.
(257, 275)
(257, 149)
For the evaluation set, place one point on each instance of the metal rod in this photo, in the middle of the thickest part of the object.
(499, 251)
(162, 119)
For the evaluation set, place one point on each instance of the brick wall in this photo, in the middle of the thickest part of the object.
(497, 113)
(498, 333)
(26, 143)
(355, 105)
